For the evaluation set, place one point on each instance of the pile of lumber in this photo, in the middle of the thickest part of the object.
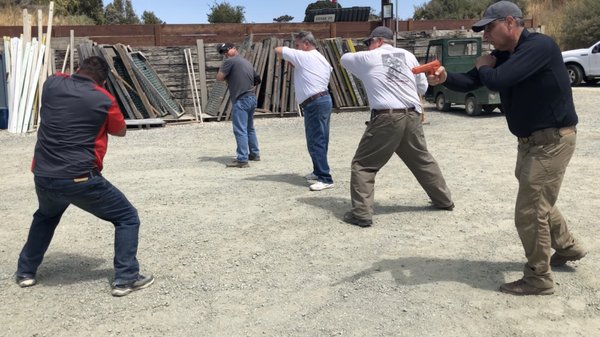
(142, 96)
(275, 95)
(26, 66)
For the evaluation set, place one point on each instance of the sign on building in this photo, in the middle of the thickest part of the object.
(325, 18)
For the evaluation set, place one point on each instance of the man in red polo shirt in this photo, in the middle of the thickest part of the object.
(76, 117)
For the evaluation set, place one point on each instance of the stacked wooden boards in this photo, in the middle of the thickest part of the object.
(275, 95)
(132, 81)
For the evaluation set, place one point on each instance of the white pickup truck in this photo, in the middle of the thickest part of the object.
(583, 64)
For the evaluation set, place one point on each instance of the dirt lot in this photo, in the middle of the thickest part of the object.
(252, 252)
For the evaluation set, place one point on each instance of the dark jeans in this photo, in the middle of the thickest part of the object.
(317, 115)
(96, 196)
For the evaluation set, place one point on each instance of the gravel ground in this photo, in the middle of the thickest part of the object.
(252, 252)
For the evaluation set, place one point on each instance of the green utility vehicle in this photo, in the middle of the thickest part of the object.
(458, 55)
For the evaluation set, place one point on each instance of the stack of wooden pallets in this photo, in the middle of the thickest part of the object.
(142, 97)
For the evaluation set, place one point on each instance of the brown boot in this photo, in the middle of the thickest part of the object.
(521, 288)
(558, 260)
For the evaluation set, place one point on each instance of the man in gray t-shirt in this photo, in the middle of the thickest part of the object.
(241, 79)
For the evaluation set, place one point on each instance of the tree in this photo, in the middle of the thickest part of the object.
(581, 23)
(92, 9)
(284, 18)
(149, 18)
(130, 16)
(225, 13)
(457, 9)
(119, 12)
(114, 12)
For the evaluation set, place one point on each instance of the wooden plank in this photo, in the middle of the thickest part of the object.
(188, 60)
(270, 74)
(285, 86)
(342, 72)
(45, 66)
(260, 69)
(356, 93)
(145, 121)
(333, 85)
(346, 100)
(72, 53)
(26, 26)
(361, 88)
(277, 79)
(202, 73)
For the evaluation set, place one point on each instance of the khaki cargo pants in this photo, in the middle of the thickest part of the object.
(541, 164)
(386, 134)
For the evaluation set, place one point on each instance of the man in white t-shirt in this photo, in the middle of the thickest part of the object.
(311, 78)
(395, 127)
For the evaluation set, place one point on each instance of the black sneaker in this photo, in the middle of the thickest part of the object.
(254, 158)
(238, 164)
(351, 219)
(141, 283)
(26, 281)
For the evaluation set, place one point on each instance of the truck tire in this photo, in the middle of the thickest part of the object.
(575, 74)
(471, 106)
(440, 103)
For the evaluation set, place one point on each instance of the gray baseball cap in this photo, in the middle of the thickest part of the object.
(499, 10)
(383, 32)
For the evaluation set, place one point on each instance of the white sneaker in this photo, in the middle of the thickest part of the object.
(319, 186)
(311, 176)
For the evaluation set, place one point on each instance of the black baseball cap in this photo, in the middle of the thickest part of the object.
(497, 11)
(222, 48)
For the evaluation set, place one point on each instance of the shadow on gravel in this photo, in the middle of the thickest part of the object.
(60, 269)
(487, 275)
(288, 178)
(339, 206)
(220, 159)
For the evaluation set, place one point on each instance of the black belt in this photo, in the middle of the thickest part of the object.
(383, 111)
(313, 97)
(87, 176)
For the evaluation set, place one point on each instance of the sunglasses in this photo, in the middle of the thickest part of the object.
(368, 42)
(488, 28)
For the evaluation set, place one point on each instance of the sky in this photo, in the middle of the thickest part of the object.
(256, 11)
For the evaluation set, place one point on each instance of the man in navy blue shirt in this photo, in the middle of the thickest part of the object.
(528, 71)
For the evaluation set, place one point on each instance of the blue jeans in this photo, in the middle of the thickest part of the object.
(317, 115)
(96, 196)
(242, 118)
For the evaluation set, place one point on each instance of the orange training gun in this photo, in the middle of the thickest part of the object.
(428, 68)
